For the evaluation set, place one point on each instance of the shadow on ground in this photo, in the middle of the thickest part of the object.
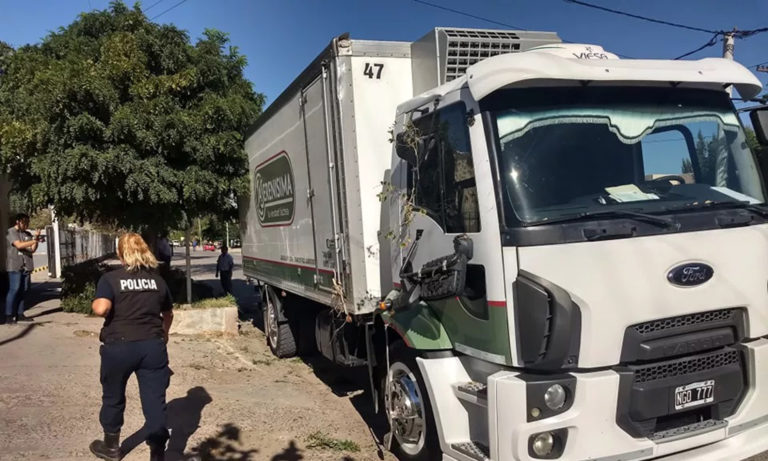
(343, 382)
(42, 292)
(184, 415)
(225, 445)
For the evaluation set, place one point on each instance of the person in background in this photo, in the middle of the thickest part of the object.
(22, 246)
(224, 265)
(136, 305)
(164, 251)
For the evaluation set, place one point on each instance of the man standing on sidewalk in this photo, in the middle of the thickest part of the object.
(224, 265)
(20, 264)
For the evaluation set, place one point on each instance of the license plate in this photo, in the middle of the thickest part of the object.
(694, 394)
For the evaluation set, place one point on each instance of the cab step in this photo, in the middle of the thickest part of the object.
(677, 433)
(472, 392)
(474, 450)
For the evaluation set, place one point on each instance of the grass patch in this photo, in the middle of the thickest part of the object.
(296, 360)
(212, 303)
(79, 303)
(323, 441)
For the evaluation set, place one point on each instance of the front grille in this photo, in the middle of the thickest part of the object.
(684, 320)
(686, 366)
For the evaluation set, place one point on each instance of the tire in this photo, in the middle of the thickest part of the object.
(406, 395)
(279, 334)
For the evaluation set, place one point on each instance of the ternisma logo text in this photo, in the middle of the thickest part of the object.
(274, 189)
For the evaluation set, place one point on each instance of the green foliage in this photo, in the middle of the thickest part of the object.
(177, 284)
(321, 440)
(214, 303)
(760, 151)
(77, 278)
(216, 229)
(119, 120)
(79, 303)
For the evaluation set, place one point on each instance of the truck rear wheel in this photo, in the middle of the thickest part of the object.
(277, 329)
(408, 409)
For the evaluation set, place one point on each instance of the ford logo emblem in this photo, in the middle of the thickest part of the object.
(691, 274)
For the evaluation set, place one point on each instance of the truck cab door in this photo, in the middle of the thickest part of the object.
(451, 193)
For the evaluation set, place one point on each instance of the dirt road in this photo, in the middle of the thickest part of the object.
(228, 399)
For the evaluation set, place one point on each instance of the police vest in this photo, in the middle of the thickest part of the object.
(138, 298)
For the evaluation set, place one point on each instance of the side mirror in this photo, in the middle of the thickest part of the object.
(759, 119)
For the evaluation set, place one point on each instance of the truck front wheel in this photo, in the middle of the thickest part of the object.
(409, 411)
(277, 329)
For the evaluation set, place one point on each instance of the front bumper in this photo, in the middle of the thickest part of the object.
(592, 427)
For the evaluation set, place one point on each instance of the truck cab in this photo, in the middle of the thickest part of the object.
(576, 249)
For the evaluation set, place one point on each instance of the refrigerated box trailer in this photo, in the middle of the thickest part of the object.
(538, 250)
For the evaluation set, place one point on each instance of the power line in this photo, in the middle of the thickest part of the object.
(757, 65)
(749, 33)
(463, 13)
(643, 18)
(153, 5)
(491, 21)
(735, 33)
(712, 42)
(169, 9)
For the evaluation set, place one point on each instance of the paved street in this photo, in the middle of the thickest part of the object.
(229, 397)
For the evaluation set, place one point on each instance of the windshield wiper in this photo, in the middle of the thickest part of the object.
(754, 208)
(658, 220)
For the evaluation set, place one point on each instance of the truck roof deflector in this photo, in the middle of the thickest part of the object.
(492, 74)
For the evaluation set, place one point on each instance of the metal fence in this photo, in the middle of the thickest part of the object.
(77, 246)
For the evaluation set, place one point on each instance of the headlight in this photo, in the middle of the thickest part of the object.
(543, 444)
(555, 397)
(548, 395)
(548, 445)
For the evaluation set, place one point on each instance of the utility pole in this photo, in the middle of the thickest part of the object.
(200, 231)
(728, 43)
(227, 225)
(56, 269)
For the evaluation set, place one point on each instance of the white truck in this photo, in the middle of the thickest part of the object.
(539, 250)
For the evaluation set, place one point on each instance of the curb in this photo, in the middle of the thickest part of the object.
(39, 269)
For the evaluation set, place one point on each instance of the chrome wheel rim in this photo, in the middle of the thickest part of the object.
(271, 320)
(405, 409)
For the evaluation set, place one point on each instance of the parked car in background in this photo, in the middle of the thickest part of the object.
(209, 247)
(175, 243)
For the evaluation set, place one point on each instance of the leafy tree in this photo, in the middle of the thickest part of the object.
(6, 51)
(687, 166)
(760, 151)
(118, 120)
(216, 229)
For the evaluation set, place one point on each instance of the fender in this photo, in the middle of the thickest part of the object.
(419, 327)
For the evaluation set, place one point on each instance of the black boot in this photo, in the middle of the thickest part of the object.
(157, 452)
(109, 448)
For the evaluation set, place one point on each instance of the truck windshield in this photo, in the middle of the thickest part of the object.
(578, 151)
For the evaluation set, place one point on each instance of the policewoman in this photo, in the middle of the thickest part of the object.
(136, 305)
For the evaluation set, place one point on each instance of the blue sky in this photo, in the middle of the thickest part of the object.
(281, 37)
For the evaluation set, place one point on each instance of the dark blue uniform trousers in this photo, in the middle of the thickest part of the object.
(149, 360)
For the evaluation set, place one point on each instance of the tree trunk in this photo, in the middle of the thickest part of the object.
(187, 238)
